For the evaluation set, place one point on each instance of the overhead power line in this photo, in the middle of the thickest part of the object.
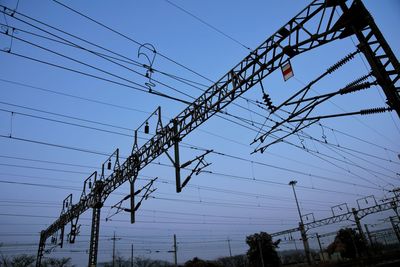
(131, 39)
(217, 153)
(234, 116)
(208, 24)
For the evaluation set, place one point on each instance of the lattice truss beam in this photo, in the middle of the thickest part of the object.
(346, 215)
(314, 26)
(300, 110)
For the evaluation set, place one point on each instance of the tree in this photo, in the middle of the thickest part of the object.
(196, 262)
(236, 261)
(348, 243)
(143, 262)
(262, 245)
(53, 262)
(23, 260)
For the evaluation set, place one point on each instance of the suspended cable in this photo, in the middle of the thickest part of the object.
(207, 24)
(131, 39)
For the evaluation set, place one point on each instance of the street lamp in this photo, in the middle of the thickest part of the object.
(302, 230)
(293, 183)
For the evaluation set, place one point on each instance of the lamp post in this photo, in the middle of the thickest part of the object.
(293, 183)
(301, 224)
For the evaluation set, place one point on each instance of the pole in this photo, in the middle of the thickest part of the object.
(395, 228)
(293, 183)
(260, 250)
(132, 188)
(394, 206)
(131, 255)
(358, 223)
(113, 263)
(177, 163)
(94, 236)
(229, 244)
(175, 252)
(320, 247)
(301, 226)
(369, 235)
(354, 245)
(114, 239)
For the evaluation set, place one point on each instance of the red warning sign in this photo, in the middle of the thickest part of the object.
(287, 71)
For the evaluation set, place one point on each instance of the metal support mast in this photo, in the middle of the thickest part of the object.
(94, 237)
(348, 215)
(175, 252)
(357, 220)
(301, 227)
(384, 64)
(395, 228)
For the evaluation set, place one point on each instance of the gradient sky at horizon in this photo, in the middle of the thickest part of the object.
(239, 193)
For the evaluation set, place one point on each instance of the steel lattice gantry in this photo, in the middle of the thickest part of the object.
(361, 213)
(314, 26)
(392, 203)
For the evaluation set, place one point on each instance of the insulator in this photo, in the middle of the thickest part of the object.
(357, 81)
(374, 110)
(268, 102)
(266, 98)
(146, 128)
(90, 184)
(138, 206)
(66, 204)
(340, 63)
(355, 88)
(109, 164)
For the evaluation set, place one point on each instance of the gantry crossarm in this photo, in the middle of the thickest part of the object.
(293, 230)
(391, 203)
(384, 64)
(361, 213)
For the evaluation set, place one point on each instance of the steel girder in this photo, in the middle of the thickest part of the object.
(361, 213)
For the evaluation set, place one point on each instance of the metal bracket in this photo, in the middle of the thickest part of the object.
(147, 192)
(109, 165)
(74, 230)
(201, 164)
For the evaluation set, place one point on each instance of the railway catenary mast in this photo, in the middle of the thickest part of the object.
(315, 25)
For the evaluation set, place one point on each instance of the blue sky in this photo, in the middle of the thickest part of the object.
(241, 193)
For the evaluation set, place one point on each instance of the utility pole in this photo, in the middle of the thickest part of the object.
(295, 245)
(261, 252)
(395, 228)
(113, 257)
(320, 247)
(301, 226)
(355, 247)
(131, 255)
(229, 245)
(369, 235)
(358, 223)
(175, 252)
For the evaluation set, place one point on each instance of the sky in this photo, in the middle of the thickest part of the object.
(60, 122)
